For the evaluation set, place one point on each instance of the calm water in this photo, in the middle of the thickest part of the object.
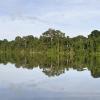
(49, 79)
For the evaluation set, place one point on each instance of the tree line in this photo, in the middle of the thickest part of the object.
(53, 41)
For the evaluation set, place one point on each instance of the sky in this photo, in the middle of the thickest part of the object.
(33, 17)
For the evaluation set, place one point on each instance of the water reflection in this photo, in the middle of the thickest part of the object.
(53, 65)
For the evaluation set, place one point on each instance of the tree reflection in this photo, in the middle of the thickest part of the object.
(53, 65)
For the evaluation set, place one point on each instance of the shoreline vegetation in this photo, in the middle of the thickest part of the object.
(53, 52)
(53, 42)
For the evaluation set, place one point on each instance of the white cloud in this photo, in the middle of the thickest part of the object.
(21, 17)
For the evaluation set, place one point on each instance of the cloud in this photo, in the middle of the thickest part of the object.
(35, 16)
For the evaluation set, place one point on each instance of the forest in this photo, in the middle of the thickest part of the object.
(53, 41)
(53, 52)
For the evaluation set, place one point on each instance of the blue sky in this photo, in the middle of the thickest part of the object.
(24, 17)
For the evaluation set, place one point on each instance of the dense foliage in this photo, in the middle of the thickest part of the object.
(53, 41)
(54, 52)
